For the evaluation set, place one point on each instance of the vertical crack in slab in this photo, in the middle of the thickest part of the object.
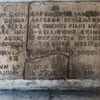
(50, 64)
(68, 57)
(28, 8)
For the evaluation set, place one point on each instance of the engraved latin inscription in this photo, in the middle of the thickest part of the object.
(13, 27)
(47, 45)
(70, 30)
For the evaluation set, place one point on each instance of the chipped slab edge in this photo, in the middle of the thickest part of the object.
(50, 84)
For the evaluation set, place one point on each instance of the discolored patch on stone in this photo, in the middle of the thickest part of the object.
(71, 29)
(47, 67)
(13, 28)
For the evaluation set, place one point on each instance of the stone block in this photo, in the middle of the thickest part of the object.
(13, 30)
(75, 95)
(67, 28)
(47, 67)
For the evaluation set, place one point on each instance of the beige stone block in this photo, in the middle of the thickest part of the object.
(47, 67)
(68, 28)
(46, 43)
(13, 29)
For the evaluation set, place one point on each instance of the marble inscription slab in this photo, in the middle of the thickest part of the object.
(13, 29)
(63, 40)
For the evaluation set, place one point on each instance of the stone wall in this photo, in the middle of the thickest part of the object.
(50, 40)
(49, 50)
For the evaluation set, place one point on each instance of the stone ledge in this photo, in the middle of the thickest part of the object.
(50, 84)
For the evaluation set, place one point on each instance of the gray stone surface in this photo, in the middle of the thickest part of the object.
(75, 95)
(50, 95)
(49, 85)
(24, 95)
(78, 0)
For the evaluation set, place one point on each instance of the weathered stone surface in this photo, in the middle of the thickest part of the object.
(75, 95)
(53, 57)
(85, 57)
(47, 67)
(69, 85)
(71, 29)
(24, 95)
(49, 95)
(13, 28)
(44, 36)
